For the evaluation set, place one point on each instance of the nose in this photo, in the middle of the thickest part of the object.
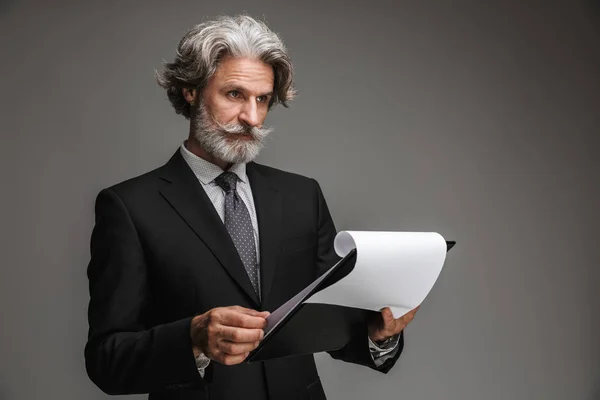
(249, 113)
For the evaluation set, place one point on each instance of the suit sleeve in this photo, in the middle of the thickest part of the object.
(123, 354)
(357, 351)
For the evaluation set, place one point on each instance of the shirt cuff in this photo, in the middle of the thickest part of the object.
(382, 351)
(202, 363)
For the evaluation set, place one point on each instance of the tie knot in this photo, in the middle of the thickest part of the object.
(227, 181)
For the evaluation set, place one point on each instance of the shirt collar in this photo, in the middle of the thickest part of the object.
(205, 171)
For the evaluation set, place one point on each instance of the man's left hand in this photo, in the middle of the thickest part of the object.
(385, 326)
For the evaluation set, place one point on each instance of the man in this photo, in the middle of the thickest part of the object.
(187, 260)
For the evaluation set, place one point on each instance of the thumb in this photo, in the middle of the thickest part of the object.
(263, 314)
(254, 313)
(388, 317)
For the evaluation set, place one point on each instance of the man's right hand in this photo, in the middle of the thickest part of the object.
(228, 334)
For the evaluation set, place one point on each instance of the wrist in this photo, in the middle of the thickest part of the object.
(386, 342)
(198, 334)
(378, 338)
(196, 351)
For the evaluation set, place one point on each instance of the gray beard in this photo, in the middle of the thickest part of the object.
(220, 140)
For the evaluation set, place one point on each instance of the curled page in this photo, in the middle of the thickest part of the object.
(393, 269)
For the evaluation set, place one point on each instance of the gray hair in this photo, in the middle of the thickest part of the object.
(203, 46)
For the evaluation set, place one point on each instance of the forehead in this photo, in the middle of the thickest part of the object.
(244, 72)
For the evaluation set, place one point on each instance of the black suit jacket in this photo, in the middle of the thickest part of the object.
(160, 255)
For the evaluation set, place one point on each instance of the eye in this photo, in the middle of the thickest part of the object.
(233, 93)
(261, 99)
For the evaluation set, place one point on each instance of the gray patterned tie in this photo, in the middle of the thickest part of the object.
(239, 226)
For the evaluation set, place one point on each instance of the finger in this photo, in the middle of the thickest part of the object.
(249, 311)
(388, 317)
(234, 349)
(232, 360)
(240, 335)
(241, 320)
(263, 314)
(405, 319)
(410, 315)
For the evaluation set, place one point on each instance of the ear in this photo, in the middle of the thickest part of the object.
(189, 95)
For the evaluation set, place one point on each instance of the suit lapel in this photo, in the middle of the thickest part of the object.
(267, 201)
(186, 196)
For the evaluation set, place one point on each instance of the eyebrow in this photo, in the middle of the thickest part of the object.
(230, 87)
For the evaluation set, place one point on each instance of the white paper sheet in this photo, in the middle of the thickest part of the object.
(393, 269)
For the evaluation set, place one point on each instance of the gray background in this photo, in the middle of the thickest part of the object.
(477, 120)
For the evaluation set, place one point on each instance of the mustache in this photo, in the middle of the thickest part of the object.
(239, 129)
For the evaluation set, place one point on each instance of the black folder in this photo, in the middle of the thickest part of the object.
(307, 328)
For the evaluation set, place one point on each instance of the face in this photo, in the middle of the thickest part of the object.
(229, 117)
